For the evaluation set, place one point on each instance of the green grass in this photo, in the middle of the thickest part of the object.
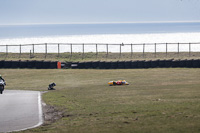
(157, 100)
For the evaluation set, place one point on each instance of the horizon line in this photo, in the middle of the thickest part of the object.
(136, 22)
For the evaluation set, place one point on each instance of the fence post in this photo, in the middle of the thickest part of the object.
(96, 51)
(120, 50)
(189, 49)
(143, 49)
(166, 49)
(6, 50)
(45, 50)
(107, 50)
(178, 49)
(83, 52)
(58, 50)
(30, 54)
(33, 49)
(155, 51)
(71, 51)
(20, 50)
(131, 50)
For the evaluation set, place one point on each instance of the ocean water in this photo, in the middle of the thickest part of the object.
(126, 33)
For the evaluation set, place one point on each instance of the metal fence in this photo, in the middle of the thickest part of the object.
(71, 48)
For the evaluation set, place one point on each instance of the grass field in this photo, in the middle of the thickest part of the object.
(101, 56)
(157, 100)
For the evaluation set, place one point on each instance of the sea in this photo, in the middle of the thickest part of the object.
(101, 34)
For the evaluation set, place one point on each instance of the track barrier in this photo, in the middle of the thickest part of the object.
(1, 63)
(114, 65)
(7, 64)
(107, 65)
(81, 65)
(168, 63)
(134, 64)
(23, 64)
(74, 65)
(189, 63)
(39, 64)
(128, 64)
(95, 64)
(59, 65)
(140, 64)
(147, 64)
(88, 65)
(46, 64)
(196, 63)
(175, 63)
(154, 63)
(102, 65)
(32, 64)
(121, 64)
(53, 64)
(15, 64)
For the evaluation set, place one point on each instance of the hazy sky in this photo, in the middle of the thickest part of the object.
(98, 11)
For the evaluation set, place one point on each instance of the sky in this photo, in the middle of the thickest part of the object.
(97, 11)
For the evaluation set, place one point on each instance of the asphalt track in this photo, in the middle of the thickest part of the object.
(20, 110)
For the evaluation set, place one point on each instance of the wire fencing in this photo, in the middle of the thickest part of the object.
(84, 48)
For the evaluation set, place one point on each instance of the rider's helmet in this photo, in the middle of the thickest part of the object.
(0, 76)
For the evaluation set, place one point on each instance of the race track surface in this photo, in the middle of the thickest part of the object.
(20, 110)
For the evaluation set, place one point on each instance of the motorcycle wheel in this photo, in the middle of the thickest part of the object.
(1, 89)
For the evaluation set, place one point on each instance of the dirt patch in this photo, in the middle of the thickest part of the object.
(51, 114)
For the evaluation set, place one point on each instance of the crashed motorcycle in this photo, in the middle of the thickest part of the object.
(2, 84)
(119, 82)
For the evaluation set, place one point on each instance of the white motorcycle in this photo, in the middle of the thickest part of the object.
(2, 84)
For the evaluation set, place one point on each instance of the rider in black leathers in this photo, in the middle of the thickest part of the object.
(2, 79)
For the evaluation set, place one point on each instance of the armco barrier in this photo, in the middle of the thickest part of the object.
(2, 63)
